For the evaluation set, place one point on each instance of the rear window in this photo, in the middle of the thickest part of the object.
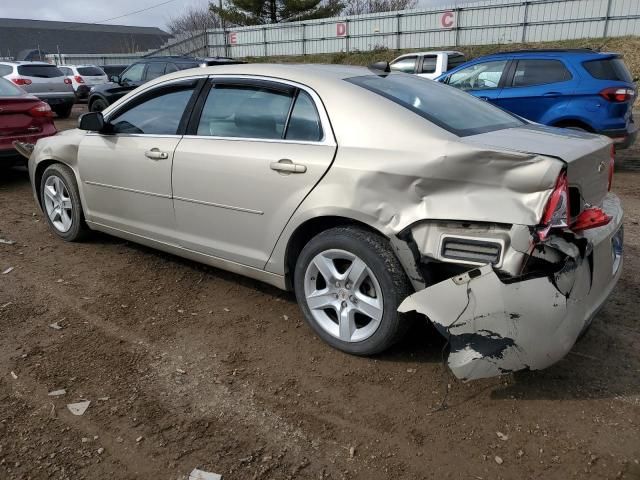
(40, 71)
(90, 71)
(609, 69)
(449, 108)
(8, 89)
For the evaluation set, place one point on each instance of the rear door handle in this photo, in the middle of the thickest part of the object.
(156, 154)
(286, 167)
(552, 94)
(486, 99)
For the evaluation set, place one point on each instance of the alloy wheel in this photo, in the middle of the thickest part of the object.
(58, 203)
(343, 295)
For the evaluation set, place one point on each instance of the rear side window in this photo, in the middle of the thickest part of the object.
(406, 64)
(90, 71)
(451, 109)
(154, 70)
(245, 112)
(40, 71)
(5, 70)
(158, 115)
(66, 70)
(187, 66)
(540, 72)
(429, 63)
(455, 60)
(8, 89)
(609, 69)
(304, 124)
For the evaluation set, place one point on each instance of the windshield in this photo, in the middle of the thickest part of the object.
(8, 89)
(449, 108)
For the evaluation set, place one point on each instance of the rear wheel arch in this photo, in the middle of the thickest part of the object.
(574, 123)
(308, 230)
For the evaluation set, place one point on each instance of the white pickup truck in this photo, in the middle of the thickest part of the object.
(428, 64)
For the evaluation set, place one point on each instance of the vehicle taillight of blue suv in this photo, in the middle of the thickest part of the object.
(579, 89)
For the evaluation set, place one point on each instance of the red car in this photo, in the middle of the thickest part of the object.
(22, 117)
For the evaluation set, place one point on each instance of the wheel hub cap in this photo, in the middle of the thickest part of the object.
(343, 295)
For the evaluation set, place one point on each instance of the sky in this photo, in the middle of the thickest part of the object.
(94, 11)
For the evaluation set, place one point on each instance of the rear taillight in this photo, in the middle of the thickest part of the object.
(67, 81)
(41, 110)
(617, 94)
(556, 214)
(612, 165)
(79, 79)
(21, 81)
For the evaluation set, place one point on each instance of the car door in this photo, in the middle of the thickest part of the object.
(254, 150)
(536, 87)
(126, 170)
(482, 79)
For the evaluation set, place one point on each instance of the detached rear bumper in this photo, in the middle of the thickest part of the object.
(497, 326)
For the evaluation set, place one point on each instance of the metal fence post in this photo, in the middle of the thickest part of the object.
(304, 35)
(458, 16)
(398, 31)
(347, 36)
(606, 20)
(525, 19)
(264, 37)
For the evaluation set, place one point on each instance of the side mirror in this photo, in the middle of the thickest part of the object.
(92, 122)
(115, 79)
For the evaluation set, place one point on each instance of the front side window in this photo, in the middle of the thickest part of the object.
(481, 76)
(134, 73)
(450, 109)
(429, 63)
(244, 111)
(540, 72)
(158, 115)
(455, 60)
(406, 64)
(304, 124)
(154, 70)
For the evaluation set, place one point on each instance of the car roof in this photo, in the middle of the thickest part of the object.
(429, 52)
(553, 52)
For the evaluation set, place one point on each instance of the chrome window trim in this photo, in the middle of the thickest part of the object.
(143, 91)
(328, 137)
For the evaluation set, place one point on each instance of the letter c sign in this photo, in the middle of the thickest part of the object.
(447, 19)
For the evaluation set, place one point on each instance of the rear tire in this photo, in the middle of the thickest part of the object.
(349, 284)
(63, 112)
(60, 200)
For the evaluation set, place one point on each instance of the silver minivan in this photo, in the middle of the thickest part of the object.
(45, 81)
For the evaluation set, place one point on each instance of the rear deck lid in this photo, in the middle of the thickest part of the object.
(586, 155)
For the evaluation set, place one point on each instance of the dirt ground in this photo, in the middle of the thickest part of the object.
(187, 366)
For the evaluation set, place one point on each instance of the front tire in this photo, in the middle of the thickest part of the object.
(63, 112)
(61, 204)
(98, 105)
(349, 284)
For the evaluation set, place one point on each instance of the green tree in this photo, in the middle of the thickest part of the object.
(259, 12)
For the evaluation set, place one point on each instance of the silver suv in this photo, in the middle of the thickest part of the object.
(45, 81)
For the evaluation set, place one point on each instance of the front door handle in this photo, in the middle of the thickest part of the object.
(286, 166)
(156, 154)
(552, 94)
(486, 99)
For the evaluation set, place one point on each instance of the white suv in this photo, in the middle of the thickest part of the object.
(83, 77)
(43, 80)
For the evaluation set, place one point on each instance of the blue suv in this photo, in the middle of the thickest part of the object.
(580, 89)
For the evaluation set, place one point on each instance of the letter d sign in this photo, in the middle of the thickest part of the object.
(341, 29)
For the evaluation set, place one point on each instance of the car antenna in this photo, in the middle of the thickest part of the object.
(380, 68)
